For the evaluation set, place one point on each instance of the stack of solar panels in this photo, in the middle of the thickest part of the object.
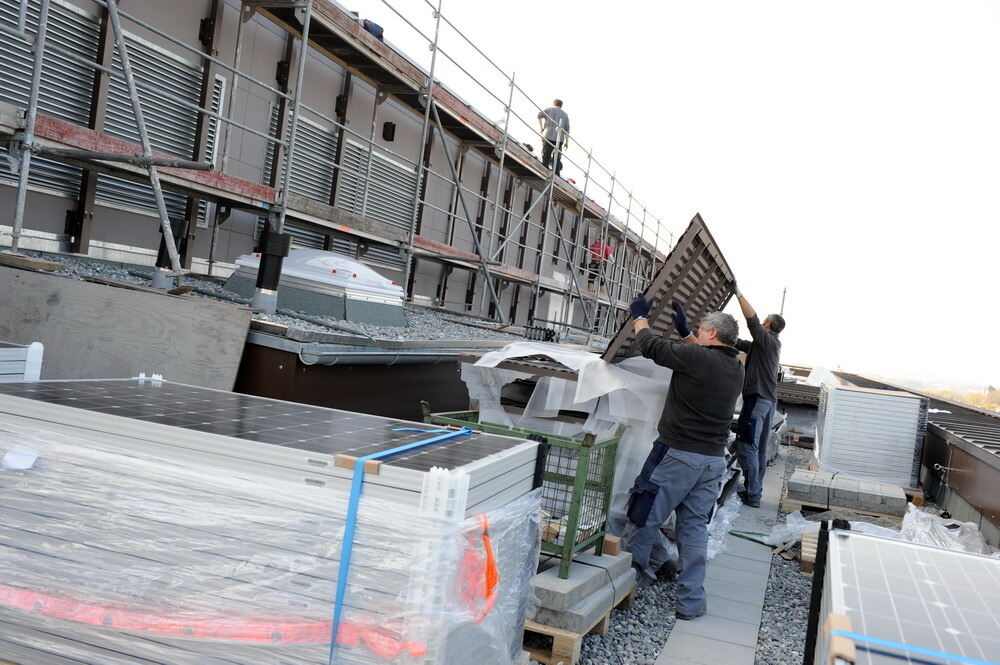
(871, 434)
(886, 602)
(151, 537)
(274, 439)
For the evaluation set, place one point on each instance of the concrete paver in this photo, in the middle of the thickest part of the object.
(736, 582)
(684, 647)
(725, 630)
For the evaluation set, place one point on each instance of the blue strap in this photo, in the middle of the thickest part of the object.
(350, 521)
(417, 429)
(909, 648)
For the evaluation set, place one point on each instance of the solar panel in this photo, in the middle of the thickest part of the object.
(912, 601)
(295, 441)
(111, 556)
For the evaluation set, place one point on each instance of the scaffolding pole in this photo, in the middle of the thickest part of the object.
(265, 295)
(487, 277)
(27, 138)
(424, 130)
(523, 218)
(503, 156)
(147, 147)
(572, 273)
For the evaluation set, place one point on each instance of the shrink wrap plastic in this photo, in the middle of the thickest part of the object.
(111, 556)
(631, 392)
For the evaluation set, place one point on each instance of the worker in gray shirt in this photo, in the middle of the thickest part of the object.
(760, 395)
(553, 123)
(687, 465)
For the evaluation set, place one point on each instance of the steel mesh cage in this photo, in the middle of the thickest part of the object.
(576, 478)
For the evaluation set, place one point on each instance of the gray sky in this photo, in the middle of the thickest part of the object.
(849, 151)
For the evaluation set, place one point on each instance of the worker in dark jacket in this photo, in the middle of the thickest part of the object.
(686, 467)
(760, 395)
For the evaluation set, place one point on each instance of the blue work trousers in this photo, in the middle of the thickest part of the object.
(688, 483)
(752, 432)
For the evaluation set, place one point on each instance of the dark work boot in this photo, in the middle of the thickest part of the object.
(694, 615)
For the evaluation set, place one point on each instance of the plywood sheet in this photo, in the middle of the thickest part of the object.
(100, 331)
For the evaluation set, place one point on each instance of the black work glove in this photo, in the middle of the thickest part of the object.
(680, 320)
(640, 307)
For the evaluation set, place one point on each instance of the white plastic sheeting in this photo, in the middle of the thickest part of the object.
(918, 526)
(112, 556)
(631, 392)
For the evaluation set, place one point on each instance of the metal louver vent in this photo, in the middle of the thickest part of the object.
(391, 186)
(211, 143)
(66, 84)
(373, 255)
(315, 147)
(302, 237)
(388, 257)
(171, 127)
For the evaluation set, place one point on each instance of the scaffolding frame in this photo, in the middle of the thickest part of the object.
(617, 276)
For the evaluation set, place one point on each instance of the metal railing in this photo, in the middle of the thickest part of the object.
(603, 210)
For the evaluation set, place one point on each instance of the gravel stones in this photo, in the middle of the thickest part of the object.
(782, 635)
(636, 635)
(422, 323)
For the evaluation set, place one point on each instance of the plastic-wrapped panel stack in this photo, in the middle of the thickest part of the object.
(871, 434)
(114, 550)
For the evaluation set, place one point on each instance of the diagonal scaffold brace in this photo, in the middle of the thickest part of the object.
(147, 149)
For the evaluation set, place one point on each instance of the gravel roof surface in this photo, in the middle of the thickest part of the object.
(422, 323)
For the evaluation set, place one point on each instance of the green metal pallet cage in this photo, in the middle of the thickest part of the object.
(576, 483)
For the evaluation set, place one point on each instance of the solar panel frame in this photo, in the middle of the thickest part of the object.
(158, 418)
(928, 597)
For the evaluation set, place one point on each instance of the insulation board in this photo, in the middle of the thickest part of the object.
(871, 434)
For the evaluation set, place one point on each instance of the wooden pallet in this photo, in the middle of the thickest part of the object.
(800, 440)
(808, 554)
(566, 645)
(791, 505)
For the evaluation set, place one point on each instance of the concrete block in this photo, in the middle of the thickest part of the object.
(820, 488)
(581, 616)
(587, 573)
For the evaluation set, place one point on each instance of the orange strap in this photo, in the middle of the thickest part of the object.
(492, 573)
(382, 642)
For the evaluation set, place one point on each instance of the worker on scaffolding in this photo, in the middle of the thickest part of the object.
(600, 252)
(553, 123)
(687, 463)
(760, 395)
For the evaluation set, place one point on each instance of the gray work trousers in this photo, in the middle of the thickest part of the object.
(752, 433)
(687, 483)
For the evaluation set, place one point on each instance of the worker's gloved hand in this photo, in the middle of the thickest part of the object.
(680, 320)
(736, 289)
(640, 307)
